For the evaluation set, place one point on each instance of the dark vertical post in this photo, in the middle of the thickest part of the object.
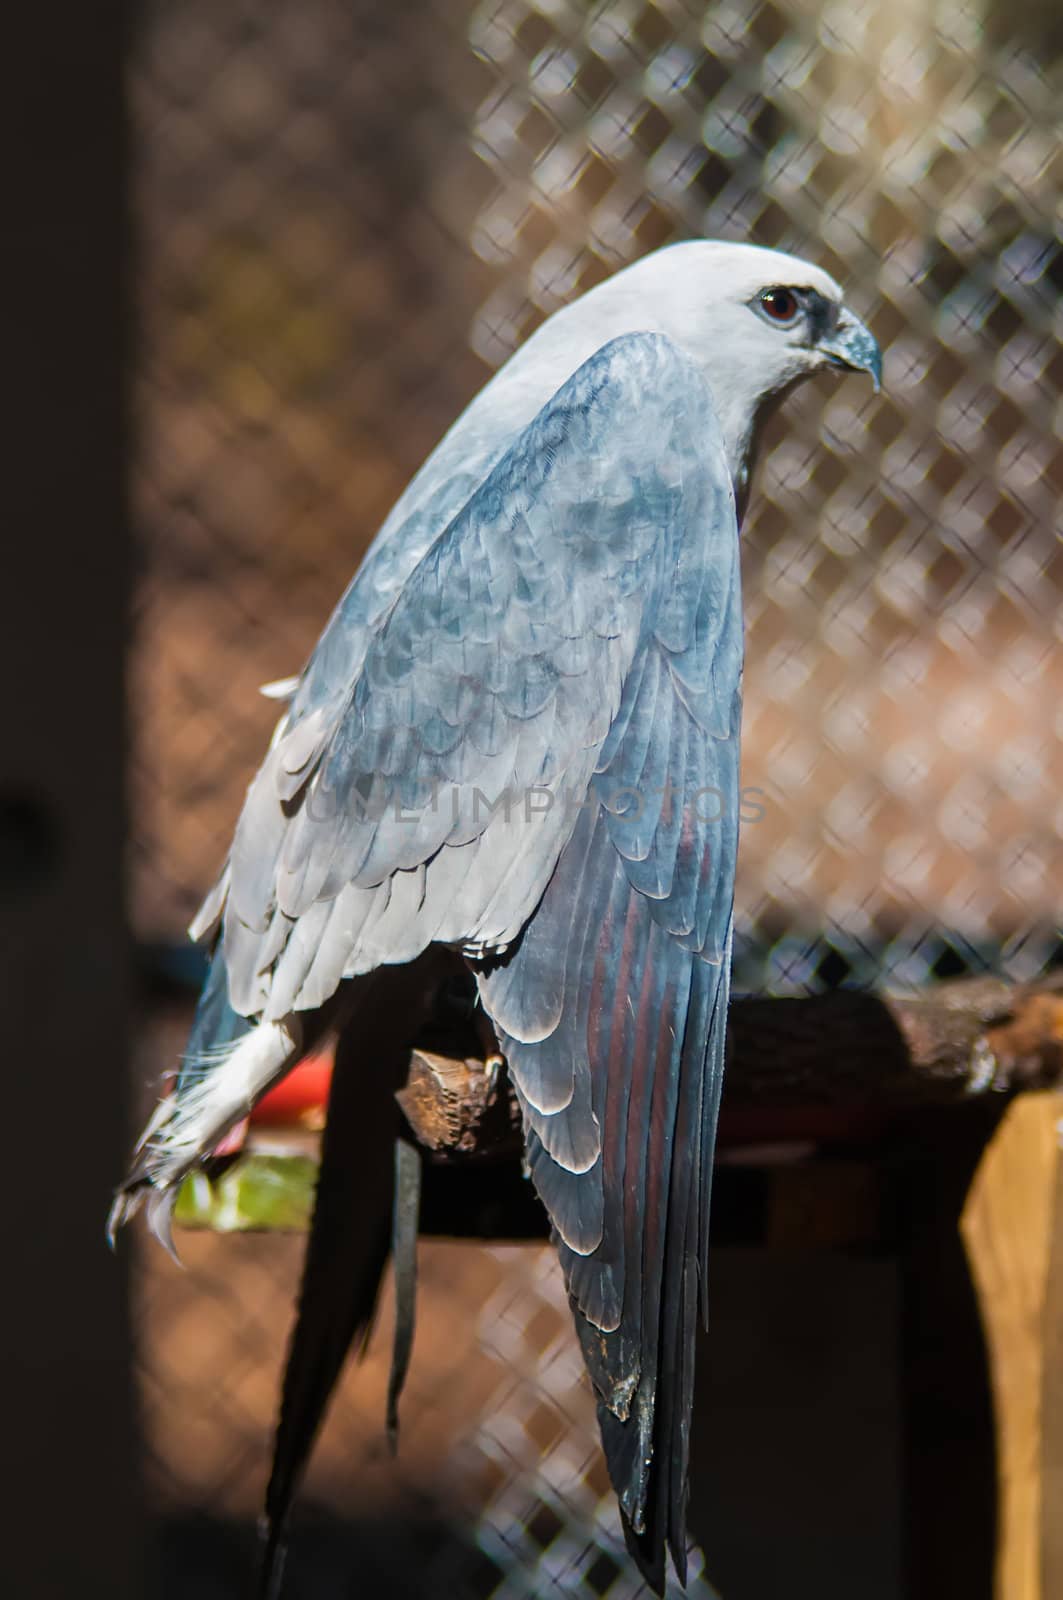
(949, 1447)
(68, 1441)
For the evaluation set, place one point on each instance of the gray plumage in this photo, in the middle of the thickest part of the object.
(518, 736)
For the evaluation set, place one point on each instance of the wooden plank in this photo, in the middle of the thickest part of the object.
(1011, 1242)
(1052, 1394)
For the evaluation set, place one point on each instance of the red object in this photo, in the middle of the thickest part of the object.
(301, 1095)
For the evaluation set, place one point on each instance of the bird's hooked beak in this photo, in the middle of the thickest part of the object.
(851, 345)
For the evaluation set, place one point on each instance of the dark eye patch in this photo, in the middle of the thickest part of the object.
(822, 313)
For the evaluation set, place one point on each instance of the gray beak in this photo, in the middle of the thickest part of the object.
(852, 345)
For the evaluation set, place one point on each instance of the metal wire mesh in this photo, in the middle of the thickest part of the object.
(347, 216)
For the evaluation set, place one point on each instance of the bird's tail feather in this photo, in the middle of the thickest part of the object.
(345, 1258)
(350, 1235)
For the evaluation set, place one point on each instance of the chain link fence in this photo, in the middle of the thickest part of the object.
(347, 216)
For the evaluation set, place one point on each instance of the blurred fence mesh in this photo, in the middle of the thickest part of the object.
(347, 214)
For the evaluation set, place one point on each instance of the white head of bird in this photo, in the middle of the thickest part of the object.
(756, 321)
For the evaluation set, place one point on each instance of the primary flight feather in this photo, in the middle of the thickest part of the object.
(518, 737)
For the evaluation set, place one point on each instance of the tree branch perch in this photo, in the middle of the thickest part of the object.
(962, 1038)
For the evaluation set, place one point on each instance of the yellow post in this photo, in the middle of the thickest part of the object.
(1012, 1228)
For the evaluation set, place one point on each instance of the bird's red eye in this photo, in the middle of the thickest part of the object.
(780, 305)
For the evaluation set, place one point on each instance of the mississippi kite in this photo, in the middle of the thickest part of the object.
(518, 737)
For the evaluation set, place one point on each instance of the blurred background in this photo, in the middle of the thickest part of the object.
(343, 217)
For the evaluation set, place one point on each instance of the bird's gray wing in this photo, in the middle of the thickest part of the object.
(612, 1013)
(431, 801)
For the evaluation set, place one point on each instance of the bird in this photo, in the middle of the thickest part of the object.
(517, 742)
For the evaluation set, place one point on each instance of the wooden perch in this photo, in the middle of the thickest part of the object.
(964, 1038)
(934, 1071)
(961, 1044)
(836, 1068)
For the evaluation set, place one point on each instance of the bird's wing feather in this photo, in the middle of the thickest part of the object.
(430, 797)
(612, 1012)
(624, 1166)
